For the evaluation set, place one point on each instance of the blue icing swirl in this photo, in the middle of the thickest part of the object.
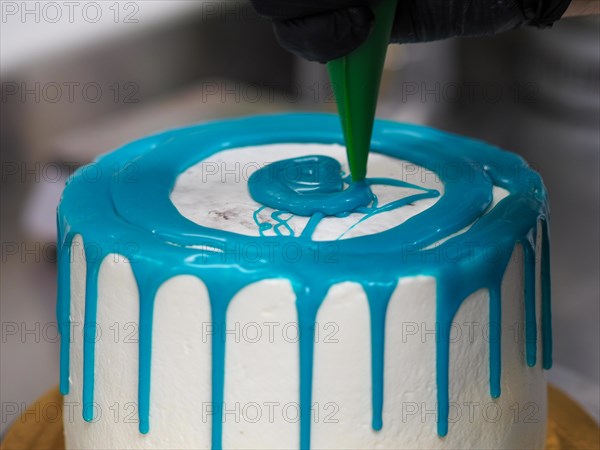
(314, 186)
(113, 208)
(307, 185)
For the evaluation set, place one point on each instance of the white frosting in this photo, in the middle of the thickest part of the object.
(217, 188)
(262, 357)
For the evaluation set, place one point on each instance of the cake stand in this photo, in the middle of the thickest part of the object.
(569, 427)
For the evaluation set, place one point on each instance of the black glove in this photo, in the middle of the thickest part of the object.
(322, 30)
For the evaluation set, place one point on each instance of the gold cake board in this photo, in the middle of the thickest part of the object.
(569, 427)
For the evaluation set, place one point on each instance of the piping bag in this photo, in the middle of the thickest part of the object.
(355, 79)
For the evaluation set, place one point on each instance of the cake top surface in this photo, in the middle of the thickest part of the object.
(191, 190)
(215, 192)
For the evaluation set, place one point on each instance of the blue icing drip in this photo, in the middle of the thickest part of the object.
(112, 210)
(379, 296)
(147, 296)
(530, 319)
(89, 332)
(495, 328)
(546, 299)
(220, 297)
(307, 303)
(63, 307)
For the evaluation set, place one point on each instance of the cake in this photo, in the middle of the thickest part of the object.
(227, 286)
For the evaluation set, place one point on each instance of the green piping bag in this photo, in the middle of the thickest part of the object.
(355, 79)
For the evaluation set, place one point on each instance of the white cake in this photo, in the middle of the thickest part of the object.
(154, 368)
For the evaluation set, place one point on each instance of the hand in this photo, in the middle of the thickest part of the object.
(322, 30)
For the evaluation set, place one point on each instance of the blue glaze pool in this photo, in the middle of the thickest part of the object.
(110, 209)
(306, 186)
(314, 186)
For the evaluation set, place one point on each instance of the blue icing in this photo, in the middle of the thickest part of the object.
(379, 296)
(113, 208)
(314, 186)
(307, 185)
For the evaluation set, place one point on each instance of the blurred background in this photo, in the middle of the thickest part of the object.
(81, 78)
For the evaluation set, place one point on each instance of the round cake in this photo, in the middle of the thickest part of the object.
(227, 286)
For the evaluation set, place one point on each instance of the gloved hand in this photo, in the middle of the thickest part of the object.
(322, 30)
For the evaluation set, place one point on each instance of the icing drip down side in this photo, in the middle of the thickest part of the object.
(112, 210)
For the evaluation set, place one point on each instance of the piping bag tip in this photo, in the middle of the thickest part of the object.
(355, 79)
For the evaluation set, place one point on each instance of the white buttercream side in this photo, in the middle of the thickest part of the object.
(342, 371)
(181, 357)
(262, 374)
(262, 368)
